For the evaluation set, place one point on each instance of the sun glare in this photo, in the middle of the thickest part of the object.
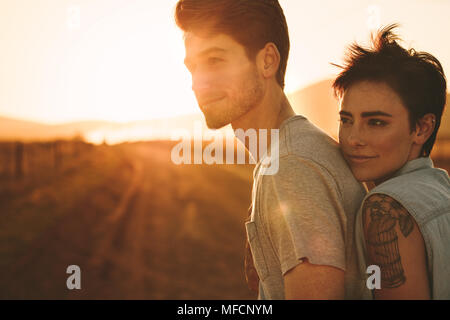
(132, 70)
(122, 61)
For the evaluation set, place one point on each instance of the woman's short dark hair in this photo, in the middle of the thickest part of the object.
(252, 23)
(417, 77)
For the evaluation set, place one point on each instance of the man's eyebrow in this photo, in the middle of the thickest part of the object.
(206, 52)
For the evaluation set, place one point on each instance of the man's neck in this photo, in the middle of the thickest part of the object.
(269, 114)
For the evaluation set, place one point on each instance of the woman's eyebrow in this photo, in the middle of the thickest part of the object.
(345, 113)
(375, 113)
(366, 114)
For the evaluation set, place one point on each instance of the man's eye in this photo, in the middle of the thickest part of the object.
(214, 61)
(377, 123)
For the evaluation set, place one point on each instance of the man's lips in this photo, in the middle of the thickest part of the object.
(207, 101)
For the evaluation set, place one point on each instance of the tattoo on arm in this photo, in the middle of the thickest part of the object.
(381, 214)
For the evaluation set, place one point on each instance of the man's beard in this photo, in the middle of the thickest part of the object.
(247, 94)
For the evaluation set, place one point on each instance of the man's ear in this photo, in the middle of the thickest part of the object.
(424, 128)
(268, 60)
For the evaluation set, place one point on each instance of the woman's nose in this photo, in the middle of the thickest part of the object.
(356, 137)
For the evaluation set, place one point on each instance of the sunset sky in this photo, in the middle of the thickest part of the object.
(122, 60)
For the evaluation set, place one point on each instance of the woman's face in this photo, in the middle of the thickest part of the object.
(374, 132)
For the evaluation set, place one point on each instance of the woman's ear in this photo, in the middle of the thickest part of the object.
(424, 128)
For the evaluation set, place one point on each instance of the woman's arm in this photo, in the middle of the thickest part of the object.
(395, 244)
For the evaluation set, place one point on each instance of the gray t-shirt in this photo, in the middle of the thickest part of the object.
(306, 210)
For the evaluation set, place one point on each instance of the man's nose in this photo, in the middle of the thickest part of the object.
(200, 82)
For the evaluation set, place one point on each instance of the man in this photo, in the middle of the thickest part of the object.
(301, 226)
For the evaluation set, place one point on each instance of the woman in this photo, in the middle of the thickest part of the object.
(392, 101)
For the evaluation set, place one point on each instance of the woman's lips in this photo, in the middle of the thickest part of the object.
(359, 159)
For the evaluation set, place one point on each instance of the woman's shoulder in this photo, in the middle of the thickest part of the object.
(425, 194)
(423, 181)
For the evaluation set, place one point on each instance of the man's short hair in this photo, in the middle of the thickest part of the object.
(417, 77)
(252, 23)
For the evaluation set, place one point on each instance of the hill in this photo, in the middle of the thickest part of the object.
(316, 102)
(97, 131)
(14, 129)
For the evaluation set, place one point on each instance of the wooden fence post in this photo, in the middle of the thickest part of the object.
(56, 155)
(18, 157)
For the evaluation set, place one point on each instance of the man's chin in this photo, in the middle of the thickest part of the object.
(215, 122)
(214, 125)
(212, 120)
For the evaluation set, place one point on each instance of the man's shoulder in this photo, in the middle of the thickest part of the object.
(307, 154)
(302, 138)
(305, 141)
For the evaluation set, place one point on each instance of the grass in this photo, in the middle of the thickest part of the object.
(30, 206)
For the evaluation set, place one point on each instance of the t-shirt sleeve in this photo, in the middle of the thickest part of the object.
(301, 211)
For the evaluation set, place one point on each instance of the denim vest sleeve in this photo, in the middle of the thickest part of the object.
(425, 194)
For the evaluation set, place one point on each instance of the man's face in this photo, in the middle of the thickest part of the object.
(225, 82)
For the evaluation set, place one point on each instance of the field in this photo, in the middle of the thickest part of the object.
(138, 226)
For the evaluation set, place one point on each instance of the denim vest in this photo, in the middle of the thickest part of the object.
(424, 191)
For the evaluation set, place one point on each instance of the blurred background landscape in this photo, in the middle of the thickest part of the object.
(87, 117)
(138, 226)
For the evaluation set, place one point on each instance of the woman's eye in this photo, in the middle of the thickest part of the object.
(344, 121)
(377, 123)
